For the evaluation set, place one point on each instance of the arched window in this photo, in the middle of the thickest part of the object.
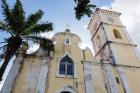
(66, 66)
(117, 34)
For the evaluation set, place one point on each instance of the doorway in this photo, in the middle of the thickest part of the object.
(65, 92)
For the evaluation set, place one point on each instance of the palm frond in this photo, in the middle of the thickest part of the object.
(45, 43)
(20, 28)
(91, 6)
(83, 7)
(39, 28)
(6, 10)
(32, 20)
(19, 16)
(5, 28)
(43, 27)
(8, 16)
(3, 47)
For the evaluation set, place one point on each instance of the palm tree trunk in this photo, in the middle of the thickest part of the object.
(12, 48)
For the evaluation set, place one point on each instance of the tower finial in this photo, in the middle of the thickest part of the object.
(67, 28)
(110, 7)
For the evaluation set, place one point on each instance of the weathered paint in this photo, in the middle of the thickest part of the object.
(59, 83)
(111, 79)
(12, 76)
(88, 78)
(42, 81)
(39, 74)
(121, 74)
(120, 52)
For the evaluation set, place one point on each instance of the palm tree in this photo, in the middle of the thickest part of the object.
(83, 7)
(20, 29)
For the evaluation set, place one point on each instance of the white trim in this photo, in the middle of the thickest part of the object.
(75, 70)
(66, 41)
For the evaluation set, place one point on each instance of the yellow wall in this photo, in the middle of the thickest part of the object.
(73, 50)
(29, 75)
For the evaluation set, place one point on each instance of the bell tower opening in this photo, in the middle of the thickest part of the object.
(117, 34)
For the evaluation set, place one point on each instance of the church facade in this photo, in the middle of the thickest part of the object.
(70, 69)
(63, 72)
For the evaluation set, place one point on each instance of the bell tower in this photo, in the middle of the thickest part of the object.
(115, 51)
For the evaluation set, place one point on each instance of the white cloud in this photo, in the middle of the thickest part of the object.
(47, 34)
(32, 48)
(130, 16)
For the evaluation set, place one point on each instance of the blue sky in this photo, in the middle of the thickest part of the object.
(60, 14)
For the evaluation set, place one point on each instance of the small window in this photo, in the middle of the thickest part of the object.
(67, 41)
(66, 66)
(98, 41)
(117, 80)
(117, 34)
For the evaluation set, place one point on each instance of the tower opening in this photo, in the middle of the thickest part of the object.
(117, 34)
(98, 41)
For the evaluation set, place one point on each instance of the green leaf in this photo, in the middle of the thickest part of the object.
(18, 16)
(33, 19)
(83, 7)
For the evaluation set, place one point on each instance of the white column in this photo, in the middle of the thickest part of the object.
(88, 78)
(43, 76)
(10, 80)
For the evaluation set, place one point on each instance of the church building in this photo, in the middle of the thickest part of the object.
(115, 68)
(115, 52)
